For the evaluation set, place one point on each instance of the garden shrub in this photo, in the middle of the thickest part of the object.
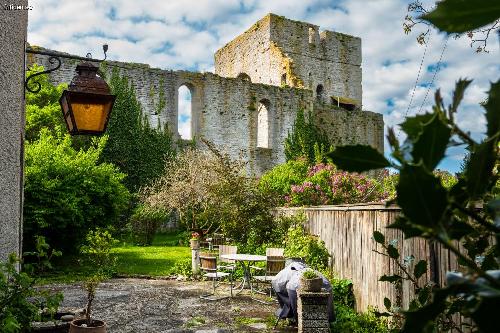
(67, 192)
(300, 244)
(325, 185)
(20, 302)
(349, 321)
(145, 223)
(280, 179)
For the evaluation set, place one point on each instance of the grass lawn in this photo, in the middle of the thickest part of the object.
(159, 259)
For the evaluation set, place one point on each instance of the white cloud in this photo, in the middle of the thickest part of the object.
(182, 34)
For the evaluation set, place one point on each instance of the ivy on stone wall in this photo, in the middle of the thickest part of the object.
(137, 149)
(306, 140)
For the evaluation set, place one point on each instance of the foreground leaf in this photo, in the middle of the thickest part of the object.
(358, 158)
(421, 196)
(412, 126)
(493, 109)
(461, 16)
(420, 268)
(479, 169)
(431, 144)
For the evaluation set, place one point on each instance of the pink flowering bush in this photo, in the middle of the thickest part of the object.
(325, 185)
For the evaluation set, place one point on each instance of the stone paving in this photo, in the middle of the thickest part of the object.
(141, 305)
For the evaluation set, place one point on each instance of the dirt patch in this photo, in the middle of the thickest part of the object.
(140, 305)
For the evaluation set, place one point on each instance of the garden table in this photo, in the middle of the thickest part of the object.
(245, 260)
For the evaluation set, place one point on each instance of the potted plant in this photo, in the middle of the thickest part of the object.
(311, 281)
(195, 240)
(98, 254)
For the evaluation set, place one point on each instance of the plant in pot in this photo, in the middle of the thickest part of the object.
(311, 281)
(195, 240)
(97, 252)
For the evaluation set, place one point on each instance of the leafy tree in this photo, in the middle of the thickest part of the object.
(137, 149)
(280, 179)
(68, 191)
(306, 140)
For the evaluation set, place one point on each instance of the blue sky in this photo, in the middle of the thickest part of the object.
(184, 34)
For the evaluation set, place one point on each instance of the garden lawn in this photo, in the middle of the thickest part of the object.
(163, 258)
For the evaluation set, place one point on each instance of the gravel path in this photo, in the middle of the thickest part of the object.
(141, 305)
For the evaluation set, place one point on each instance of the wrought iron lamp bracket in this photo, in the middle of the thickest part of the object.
(54, 58)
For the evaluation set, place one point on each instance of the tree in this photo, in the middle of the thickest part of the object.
(440, 215)
(306, 140)
(137, 149)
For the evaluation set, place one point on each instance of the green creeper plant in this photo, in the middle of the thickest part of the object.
(306, 140)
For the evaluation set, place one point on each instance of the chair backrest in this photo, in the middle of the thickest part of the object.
(274, 264)
(227, 249)
(208, 262)
(275, 251)
(217, 239)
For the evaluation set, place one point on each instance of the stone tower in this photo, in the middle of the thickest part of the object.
(283, 52)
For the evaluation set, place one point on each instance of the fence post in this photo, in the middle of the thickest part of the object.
(195, 255)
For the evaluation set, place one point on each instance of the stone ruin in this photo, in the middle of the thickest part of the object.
(262, 77)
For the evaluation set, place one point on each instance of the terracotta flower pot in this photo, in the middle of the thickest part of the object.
(312, 285)
(98, 326)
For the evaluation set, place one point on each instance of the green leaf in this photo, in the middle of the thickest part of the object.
(431, 144)
(424, 294)
(461, 16)
(421, 196)
(403, 224)
(392, 252)
(358, 158)
(458, 94)
(412, 126)
(422, 320)
(387, 303)
(420, 268)
(479, 169)
(390, 278)
(379, 237)
(493, 109)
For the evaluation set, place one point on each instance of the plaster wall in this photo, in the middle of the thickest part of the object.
(13, 25)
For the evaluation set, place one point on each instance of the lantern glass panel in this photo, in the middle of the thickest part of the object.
(90, 116)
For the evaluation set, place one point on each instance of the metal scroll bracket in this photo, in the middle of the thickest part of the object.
(55, 61)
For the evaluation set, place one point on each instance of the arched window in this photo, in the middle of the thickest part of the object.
(184, 114)
(319, 91)
(244, 76)
(263, 124)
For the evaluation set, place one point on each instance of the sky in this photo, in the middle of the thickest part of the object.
(398, 80)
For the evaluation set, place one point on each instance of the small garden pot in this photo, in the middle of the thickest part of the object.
(195, 244)
(98, 326)
(312, 285)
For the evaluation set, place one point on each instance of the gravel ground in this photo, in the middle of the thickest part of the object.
(141, 305)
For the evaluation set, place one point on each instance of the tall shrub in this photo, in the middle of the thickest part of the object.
(67, 191)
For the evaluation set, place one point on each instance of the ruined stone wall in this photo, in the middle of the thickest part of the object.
(296, 54)
(224, 110)
(248, 53)
(345, 127)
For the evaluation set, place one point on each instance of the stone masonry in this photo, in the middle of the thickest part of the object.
(312, 312)
(261, 79)
(13, 26)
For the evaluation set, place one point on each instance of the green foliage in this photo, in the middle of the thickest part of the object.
(67, 192)
(280, 179)
(309, 274)
(97, 252)
(43, 255)
(20, 302)
(137, 149)
(358, 158)
(145, 222)
(299, 244)
(43, 109)
(457, 16)
(306, 140)
(325, 185)
(349, 321)
(440, 214)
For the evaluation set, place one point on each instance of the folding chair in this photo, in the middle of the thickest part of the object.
(209, 266)
(227, 264)
(274, 264)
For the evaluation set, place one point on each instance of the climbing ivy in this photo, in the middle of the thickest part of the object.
(139, 150)
(306, 140)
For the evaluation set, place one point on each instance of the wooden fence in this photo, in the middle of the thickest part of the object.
(347, 232)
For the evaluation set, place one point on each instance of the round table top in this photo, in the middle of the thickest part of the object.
(244, 257)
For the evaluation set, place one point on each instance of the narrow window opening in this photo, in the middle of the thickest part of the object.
(184, 112)
(263, 124)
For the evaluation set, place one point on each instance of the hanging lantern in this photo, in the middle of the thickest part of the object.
(87, 103)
